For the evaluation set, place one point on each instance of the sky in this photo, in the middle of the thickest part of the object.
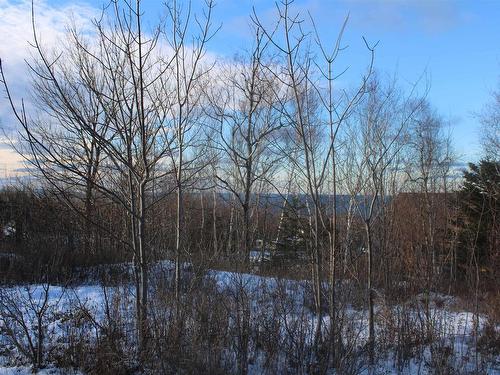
(454, 44)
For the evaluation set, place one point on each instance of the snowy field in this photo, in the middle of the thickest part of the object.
(58, 303)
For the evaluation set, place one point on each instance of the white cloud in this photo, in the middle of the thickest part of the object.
(16, 33)
(16, 26)
(15, 36)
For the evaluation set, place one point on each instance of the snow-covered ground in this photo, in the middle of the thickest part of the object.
(442, 314)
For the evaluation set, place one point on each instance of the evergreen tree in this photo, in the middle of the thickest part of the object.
(479, 217)
(292, 238)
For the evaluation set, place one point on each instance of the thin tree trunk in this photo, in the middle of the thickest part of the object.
(214, 219)
(202, 224)
(230, 231)
(178, 229)
(143, 268)
(371, 324)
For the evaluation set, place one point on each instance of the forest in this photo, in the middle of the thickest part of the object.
(182, 214)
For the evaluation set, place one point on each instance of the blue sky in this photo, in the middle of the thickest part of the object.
(457, 43)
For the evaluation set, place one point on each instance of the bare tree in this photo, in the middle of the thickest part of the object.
(428, 168)
(25, 315)
(490, 119)
(316, 112)
(246, 120)
(183, 102)
(68, 113)
(114, 95)
(379, 136)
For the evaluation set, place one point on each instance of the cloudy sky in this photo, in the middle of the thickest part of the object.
(456, 43)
